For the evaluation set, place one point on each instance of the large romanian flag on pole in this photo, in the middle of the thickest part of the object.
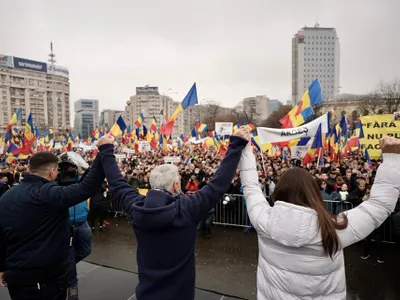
(29, 130)
(189, 100)
(118, 127)
(303, 110)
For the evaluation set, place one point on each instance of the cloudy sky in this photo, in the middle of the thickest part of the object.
(231, 48)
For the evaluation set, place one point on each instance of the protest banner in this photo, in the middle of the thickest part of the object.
(273, 135)
(298, 152)
(374, 128)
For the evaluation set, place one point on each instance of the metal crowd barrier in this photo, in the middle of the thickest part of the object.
(116, 209)
(231, 211)
(336, 207)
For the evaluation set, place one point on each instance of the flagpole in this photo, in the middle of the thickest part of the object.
(262, 158)
(319, 153)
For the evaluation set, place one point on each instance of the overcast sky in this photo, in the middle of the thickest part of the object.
(231, 48)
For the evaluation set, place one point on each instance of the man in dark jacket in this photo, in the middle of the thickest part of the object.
(4, 187)
(165, 221)
(35, 230)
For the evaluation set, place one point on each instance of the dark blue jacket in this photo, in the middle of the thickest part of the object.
(34, 226)
(165, 226)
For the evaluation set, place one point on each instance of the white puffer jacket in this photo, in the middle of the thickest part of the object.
(292, 263)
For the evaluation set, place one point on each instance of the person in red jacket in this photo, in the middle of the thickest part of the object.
(192, 185)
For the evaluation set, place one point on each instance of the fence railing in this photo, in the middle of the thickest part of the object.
(231, 211)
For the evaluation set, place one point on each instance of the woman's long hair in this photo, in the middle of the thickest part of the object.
(297, 186)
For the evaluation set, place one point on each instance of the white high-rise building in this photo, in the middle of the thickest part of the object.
(86, 116)
(315, 55)
(36, 87)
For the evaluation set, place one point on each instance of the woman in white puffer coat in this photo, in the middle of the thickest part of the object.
(300, 243)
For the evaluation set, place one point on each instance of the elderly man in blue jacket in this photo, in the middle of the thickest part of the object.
(165, 221)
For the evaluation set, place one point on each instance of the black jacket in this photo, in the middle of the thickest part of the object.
(356, 196)
(98, 199)
(34, 226)
(3, 188)
(166, 226)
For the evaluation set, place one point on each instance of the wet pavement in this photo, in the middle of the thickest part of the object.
(227, 263)
(101, 283)
(226, 267)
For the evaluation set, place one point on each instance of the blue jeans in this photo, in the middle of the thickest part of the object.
(81, 248)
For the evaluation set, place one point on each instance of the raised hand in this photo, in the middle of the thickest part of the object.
(2, 281)
(390, 145)
(105, 139)
(244, 133)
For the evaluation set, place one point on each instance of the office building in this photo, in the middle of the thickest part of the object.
(315, 55)
(86, 116)
(274, 105)
(38, 88)
(256, 108)
(108, 117)
(150, 103)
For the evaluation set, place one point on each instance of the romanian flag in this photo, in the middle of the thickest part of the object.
(70, 142)
(139, 120)
(317, 143)
(189, 100)
(153, 142)
(41, 144)
(17, 116)
(255, 144)
(353, 144)
(303, 110)
(46, 135)
(153, 126)
(251, 127)
(359, 130)
(367, 157)
(343, 125)
(201, 127)
(37, 132)
(194, 132)
(29, 130)
(118, 127)
(164, 114)
(235, 128)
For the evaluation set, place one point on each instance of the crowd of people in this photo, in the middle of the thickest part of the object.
(203, 174)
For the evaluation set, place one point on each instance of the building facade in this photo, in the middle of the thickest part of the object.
(315, 55)
(150, 103)
(109, 116)
(86, 116)
(274, 105)
(36, 87)
(257, 108)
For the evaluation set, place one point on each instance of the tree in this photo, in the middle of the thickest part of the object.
(210, 112)
(385, 99)
(390, 93)
(273, 120)
(245, 115)
(372, 103)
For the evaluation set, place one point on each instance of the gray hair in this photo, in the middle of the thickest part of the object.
(163, 177)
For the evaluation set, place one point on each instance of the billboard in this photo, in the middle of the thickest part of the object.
(146, 90)
(57, 70)
(21, 63)
(5, 61)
